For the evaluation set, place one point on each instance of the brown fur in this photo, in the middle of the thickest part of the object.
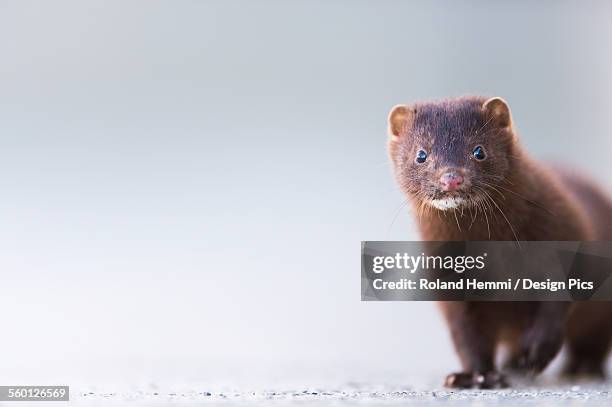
(512, 197)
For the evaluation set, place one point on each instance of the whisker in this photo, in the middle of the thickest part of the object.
(487, 219)
(483, 205)
(397, 212)
(507, 221)
(494, 188)
(473, 203)
(539, 205)
(457, 220)
(484, 125)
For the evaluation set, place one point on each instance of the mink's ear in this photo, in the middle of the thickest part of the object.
(400, 119)
(497, 109)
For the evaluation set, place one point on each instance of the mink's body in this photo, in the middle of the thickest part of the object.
(471, 180)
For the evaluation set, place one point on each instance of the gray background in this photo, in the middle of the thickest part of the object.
(185, 185)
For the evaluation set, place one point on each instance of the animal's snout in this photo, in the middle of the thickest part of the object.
(451, 180)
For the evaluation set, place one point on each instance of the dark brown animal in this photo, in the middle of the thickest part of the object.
(460, 164)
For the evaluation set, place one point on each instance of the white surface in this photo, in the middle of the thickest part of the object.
(357, 394)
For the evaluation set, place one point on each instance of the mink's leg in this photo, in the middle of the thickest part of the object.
(587, 356)
(588, 333)
(474, 340)
(512, 362)
(543, 339)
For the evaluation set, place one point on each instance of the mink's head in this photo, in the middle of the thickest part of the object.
(450, 154)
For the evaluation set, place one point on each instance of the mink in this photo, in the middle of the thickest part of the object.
(461, 166)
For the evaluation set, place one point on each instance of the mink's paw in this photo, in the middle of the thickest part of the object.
(468, 380)
(584, 368)
(539, 347)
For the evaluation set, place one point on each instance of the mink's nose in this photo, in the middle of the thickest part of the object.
(451, 180)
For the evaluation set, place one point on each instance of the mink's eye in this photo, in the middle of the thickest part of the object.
(479, 153)
(421, 156)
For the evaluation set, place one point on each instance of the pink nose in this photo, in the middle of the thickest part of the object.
(451, 181)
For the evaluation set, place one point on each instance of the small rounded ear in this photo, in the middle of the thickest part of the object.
(497, 109)
(400, 118)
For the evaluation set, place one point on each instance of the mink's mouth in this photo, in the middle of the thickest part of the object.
(448, 200)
